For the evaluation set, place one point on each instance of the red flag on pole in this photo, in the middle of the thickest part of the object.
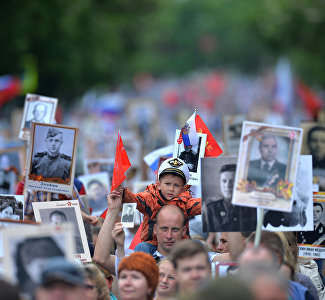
(121, 164)
(211, 148)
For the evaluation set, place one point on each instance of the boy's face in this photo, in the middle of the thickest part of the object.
(170, 186)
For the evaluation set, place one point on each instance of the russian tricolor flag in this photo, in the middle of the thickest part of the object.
(152, 159)
(196, 124)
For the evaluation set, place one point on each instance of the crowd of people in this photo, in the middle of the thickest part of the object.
(173, 260)
(173, 263)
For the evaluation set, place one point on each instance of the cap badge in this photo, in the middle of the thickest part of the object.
(175, 163)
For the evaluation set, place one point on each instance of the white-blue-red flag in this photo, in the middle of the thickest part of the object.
(152, 158)
(195, 122)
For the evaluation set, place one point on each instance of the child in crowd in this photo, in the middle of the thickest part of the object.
(171, 188)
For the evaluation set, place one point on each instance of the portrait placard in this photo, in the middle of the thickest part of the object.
(61, 212)
(191, 156)
(128, 214)
(12, 207)
(97, 188)
(13, 159)
(232, 125)
(6, 223)
(312, 243)
(267, 166)
(38, 109)
(7, 181)
(314, 143)
(301, 216)
(52, 158)
(26, 250)
(218, 213)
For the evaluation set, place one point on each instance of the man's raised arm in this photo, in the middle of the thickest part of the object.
(104, 243)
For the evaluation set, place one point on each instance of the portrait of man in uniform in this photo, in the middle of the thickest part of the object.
(218, 213)
(58, 217)
(317, 236)
(128, 214)
(267, 171)
(190, 158)
(39, 113)
(51, 163)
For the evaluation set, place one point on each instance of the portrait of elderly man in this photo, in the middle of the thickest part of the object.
(316, 146)
(267, 171)
(39, 113)
(51, 163)
(220, 215)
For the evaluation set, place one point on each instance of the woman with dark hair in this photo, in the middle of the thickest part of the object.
(31, 254)
(7, 209)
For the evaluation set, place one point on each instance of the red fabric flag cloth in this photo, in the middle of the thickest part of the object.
(121, 164)
(311, 101)
(211, 148)
(136, 239)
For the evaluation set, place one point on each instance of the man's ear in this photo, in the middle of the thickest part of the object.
(184, 230)
(155, 229)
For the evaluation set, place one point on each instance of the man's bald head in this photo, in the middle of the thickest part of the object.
(170, 209)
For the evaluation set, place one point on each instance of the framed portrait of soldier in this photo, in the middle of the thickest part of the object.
(301, 216)
(26, 250)
(313, 143)
(12, 207)
(312, 243)
(191, 155)
(217, 183)
(52, 158)
(39, 109)
(128, 214)
(267, 166)
(97, 188)
(62, 212)
(232, 125)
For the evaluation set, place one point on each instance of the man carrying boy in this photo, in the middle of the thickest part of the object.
(173, 175)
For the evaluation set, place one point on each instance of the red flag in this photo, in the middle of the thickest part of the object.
(136, 239)
(121, 164)
(311, 101)
(211, 148)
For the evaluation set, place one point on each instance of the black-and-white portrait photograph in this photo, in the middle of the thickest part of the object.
(267, 166)
(218, 213)
(314, 144)
(52, 157)
(97, 188)
(128, 214)
(301, 216)
(12, 207)
(317, 235)
(232, 125)
(27, 250)
(7, 181)
(62, 212)
(13, 159)
(38, 109)
(191, 156)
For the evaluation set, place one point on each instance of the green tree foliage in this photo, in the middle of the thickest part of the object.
(77, 43)
(82, 43)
